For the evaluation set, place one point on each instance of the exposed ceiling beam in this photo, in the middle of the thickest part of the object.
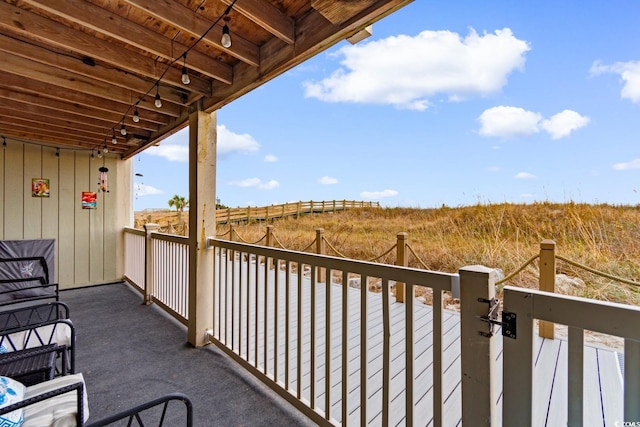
(30, 25)
(268, 17)
(56, 77)
(110, 76)
(119, 28)
(26, 105)
(186, 20)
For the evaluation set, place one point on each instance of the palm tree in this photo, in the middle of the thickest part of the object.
(179, 202)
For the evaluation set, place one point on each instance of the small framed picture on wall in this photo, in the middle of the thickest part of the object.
(39, 187)
(89, 199)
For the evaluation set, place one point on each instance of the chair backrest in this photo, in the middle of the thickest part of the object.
(164, 411)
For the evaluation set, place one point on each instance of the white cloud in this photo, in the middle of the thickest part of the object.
(172, 151)
(270, 158)
(176, 147)
(494, 169)
(563, 123)
(256, 183)
(524, 175)
(378, 194)
(406, 71)
(146, 190)
(506, 121)
(629, 72)
(230, 142)
(633, 164)
(328, 180)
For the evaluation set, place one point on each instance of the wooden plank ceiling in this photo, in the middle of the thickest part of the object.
(72, 72)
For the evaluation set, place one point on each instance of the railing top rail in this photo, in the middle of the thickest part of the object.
(170, 238)
(598, 316)
(134, 231)
(413, 276)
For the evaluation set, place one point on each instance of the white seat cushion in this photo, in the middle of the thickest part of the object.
(59, 411)
(57, 333)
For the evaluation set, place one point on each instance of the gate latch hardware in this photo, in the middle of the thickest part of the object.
(508, 322)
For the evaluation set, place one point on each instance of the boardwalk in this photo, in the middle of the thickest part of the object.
(295, 371)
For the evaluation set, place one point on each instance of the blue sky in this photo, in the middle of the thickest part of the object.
(452, 103)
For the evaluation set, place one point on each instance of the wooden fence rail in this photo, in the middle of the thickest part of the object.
(265, 213)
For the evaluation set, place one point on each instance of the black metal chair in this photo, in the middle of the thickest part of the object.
(66, 396)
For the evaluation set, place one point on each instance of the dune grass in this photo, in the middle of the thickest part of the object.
(504, 236)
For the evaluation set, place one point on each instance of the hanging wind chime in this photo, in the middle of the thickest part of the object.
(102, 185)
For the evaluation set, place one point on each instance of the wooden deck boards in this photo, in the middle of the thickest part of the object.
(603, 389)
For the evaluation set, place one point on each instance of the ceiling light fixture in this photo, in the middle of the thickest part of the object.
(185, 76)
(105, 149)
(57, 152)
(113, 138)
(226, 37)
(123, 130)
(136, 116)
(4, 142)
(158, 101)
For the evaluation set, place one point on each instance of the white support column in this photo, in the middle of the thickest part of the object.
(478, 352)
(202, 223)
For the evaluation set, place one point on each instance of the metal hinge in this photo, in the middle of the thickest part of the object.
(508, 322)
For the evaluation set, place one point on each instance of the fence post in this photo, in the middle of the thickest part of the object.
(547, 282)
(478, 349)
(269, 243)
(403, 260)
(321, 273)
(232, 229)
(148, 263)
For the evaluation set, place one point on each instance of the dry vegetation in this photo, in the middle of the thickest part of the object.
(504, 236)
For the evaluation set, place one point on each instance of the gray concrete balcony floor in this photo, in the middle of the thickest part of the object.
(130, 353)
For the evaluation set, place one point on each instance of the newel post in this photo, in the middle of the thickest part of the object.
(478, 347)
(547, 281)
(401, 259)
(148, 262)
(320, 250)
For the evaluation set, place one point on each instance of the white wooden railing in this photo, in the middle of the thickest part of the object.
(134, 263)
(170, 256)
(346, 356)
(314, 341)
(158, 266)
(523, 307)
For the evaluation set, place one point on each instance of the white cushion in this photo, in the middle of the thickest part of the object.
(11, 391)
(59, 411)
(29, 339)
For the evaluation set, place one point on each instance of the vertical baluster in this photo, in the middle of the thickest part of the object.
(299, 331)
(386, 352)
(312, 400)
(345, 346)
(437, 357)
(275, 318)
(363, 349)
(265, 325)
(287, 323)
(409, 350)
(327, 343)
